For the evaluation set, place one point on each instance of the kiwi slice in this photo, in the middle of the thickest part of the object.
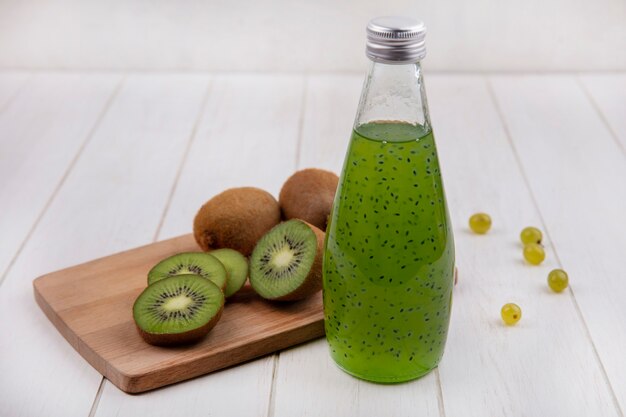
(236, 266)
(195, 263)
(286, 263)
(179, 309)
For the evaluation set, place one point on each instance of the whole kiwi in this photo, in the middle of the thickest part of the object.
(236, 219)
(308, 195)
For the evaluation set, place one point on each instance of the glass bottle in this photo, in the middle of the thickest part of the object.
(389, 252)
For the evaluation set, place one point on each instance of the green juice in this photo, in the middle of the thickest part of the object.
(389, 256)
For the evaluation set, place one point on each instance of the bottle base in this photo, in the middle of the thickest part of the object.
(383, 379)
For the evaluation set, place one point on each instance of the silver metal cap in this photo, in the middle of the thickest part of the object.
(395, 40)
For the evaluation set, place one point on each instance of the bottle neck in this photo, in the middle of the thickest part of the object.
(393, 93)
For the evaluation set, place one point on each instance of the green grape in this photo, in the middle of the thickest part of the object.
(558, 280)
(480, 223)
(530, 235)
(534, 253)
(511, 313)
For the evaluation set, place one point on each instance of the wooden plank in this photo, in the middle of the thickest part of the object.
(607, 93)
(577, 172)
(40, 134)
(489, 368)
(248, 136)
(307, 382)
(91, 305)
(11, 82)
(128, 167)
(225, 389)
(321, 389)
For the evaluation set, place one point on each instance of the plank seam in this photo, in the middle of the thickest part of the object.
(16, 93)
(183, 161)
(440, 402)
(96, 400)
(66, 174)
(305, 89)
(272, 400)
(579, 313)
(600, 114)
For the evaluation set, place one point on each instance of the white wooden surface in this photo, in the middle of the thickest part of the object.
(607, 94)
(121, 170)
(41, 137)
(539, 352)
(561, 140)
(91, 164)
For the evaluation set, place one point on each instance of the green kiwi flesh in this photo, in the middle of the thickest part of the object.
(236, 266)
(177, 310)
(194, 263)
(286, 262)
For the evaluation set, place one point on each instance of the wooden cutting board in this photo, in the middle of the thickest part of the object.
(91, 305)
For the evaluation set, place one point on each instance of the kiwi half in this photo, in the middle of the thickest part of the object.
(286, 263)
(236, 266)
(236, 219)
(195, 263)
(179, 309)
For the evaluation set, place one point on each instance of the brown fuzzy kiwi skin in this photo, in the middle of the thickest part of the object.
(313, 281)
(191, 336)
(236, 218)
(308, 195)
